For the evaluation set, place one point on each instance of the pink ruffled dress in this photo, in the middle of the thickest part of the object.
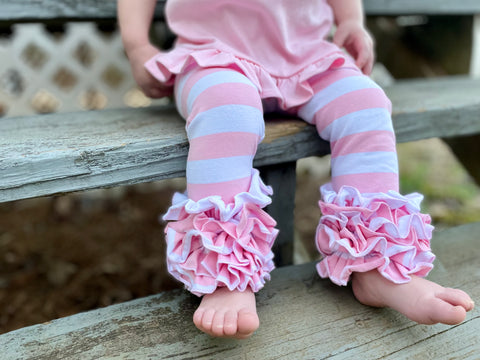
(278, 45)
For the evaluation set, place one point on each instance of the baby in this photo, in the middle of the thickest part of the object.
(232, 61)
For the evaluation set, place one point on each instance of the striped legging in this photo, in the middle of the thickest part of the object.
(224, 115)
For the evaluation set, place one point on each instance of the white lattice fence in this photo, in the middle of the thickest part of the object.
(80, 68)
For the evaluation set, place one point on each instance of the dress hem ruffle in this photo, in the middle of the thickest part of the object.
(291, 91)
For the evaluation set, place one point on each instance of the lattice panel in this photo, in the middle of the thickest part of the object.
(79, 69)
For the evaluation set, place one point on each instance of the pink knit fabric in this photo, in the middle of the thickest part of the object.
(384, 231)
(278, 45)
(211, 244)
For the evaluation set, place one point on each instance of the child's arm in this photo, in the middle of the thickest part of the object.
(351, 32)
(135, 18)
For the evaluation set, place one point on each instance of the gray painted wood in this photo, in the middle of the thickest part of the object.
(34, 10)
(302, 317)
(44, 10)
(428, 7)
(57, 153)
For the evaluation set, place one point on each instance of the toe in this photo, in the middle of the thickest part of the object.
(247, 323)
(456, 297)
(443, 312)
(218, 324)
(207, 320)
(197, 318)
(230, 323)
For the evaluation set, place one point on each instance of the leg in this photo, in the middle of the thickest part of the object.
(216, 246)
(367, 228)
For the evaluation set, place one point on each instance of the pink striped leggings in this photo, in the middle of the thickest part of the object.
(224, 115)
(366, 224)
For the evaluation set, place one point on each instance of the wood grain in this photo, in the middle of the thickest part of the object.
(57, 153)
(63, 10)
(302, 317)
(427, 7)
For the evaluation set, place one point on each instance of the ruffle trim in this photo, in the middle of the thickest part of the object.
(291, 91)
(211, 244)
(384, 231)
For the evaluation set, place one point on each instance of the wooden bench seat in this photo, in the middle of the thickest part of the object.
(58, 153)
(302, 317)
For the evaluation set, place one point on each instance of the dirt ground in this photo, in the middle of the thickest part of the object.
(64, 255)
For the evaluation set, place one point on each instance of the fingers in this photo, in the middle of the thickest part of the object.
(359, 45)
(364, 61)
(153, 88)
(157, 93)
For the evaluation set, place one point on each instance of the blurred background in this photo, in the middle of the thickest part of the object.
(65, 254)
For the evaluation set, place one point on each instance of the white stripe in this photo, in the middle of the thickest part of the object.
(358, 122)
(180, 85)
(219, 170)
(366, 162)
(216, 78)
(227, 118)
(333, 91)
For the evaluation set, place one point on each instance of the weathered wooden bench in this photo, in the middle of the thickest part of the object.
(302, 316)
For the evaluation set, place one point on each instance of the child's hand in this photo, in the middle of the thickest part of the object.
(357, 41)
(150, 86)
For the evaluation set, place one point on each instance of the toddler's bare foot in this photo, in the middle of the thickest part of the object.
(226, 313)
(420, 300)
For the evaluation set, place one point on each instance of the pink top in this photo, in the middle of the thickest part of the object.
(277, 44)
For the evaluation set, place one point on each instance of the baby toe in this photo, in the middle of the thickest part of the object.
(230, 323)
(247, 323)
(456, 297)
(218, 324)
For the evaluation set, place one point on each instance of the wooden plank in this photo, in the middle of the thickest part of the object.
(302, 317)
(428, 7)
(436, 107)
(57, 153)
(62, 10)
(41, 155)
(35, 10)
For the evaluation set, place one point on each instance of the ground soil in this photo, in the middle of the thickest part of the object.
(64, 255)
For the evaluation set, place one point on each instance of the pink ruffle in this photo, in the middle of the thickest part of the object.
(211, 244)
(290, 91)
(362, 232)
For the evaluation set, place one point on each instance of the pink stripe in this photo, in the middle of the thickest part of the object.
(192, 80)
(364, 142)
(227, 190)
(368, 182)
(225, 94)
(223, 145)
(349, 103)
(327, 78)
